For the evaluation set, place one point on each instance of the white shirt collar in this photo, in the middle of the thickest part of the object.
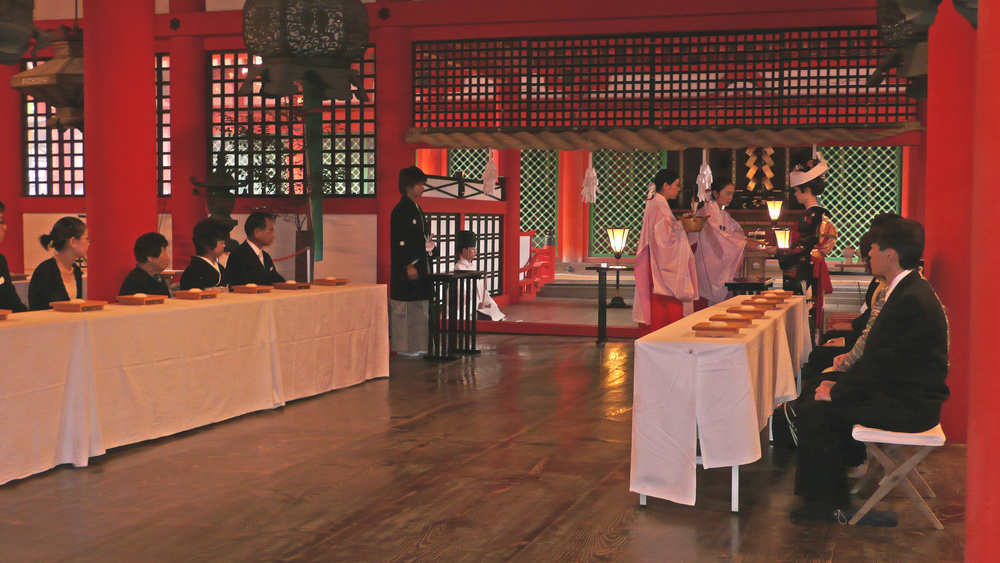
(257, 250)
(213, 263)
(895, 281)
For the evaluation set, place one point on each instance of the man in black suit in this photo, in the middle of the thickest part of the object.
(250, 263)
(9, 299)
(898, 383)
(151, 258)
(409, 289)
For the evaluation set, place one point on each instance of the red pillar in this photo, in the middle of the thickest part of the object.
(915, 174)
(982, 482)
(509, 166)
(573, 217)
(948, 254)
(12, 179)
(120, 117)
(394, 108)
(433, 161)
(188, 131)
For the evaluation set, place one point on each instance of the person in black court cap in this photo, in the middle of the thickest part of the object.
(205, 271)
(9, 299)
(465, 246)
(412, 247)
(151, 258)
(250, 263)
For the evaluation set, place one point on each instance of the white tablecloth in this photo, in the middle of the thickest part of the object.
(719, 391)
(74, 385)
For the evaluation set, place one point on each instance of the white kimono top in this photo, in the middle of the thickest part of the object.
(719, 255)
(664, 254)
(484, 302)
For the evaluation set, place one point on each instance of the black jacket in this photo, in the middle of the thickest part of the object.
(200, 274)
(46, 285)
(905, 361)
(243, 267)
(138, 281)
(407, 231)
(9, 299)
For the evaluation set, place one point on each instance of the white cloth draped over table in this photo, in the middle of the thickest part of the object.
(719, 254)
(484, 302)
(719, 391)
(73, 386)
(664, 254)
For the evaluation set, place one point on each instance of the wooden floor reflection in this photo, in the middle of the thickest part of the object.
(519, 454)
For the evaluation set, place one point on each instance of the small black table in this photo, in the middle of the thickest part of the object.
(746, 286)
(452, 315)
(602, 298)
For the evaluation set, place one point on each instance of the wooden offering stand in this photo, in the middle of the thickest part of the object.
(141, 299)
(331, 281)
(715, 330)
(251, 289)
(81, 306)
(193, 295)
(292, 285)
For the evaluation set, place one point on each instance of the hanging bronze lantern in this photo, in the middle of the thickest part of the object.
(59, 81)
(17, 29)
(296, 39)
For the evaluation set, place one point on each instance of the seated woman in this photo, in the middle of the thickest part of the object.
(204, 271)
(59, 277)
(151, 258)
(9, 299)
(486, 307)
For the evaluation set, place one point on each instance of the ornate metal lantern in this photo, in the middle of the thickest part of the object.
(17, 29)
(298, 39)
(59, 81)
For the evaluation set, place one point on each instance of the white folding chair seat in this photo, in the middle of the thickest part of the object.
(898, 468)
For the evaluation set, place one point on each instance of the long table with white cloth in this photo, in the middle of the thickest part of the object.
(73, 385)
(716, 392)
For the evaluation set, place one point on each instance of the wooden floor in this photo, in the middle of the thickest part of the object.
(520, 454)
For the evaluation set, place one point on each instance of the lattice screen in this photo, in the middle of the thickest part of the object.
(261, 140)
(163, 123)
(539, 192)
(470, 162)
(775, 77)
(53, 159)
(624, 179)
(443, 227)
(489, 257)
(862, 182)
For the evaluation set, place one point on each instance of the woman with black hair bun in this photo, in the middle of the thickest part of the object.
(665, 273)
(720, 244)
(59, 277)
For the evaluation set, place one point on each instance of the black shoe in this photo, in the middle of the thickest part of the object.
(881, 518)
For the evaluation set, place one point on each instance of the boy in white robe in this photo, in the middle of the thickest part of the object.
(466, 248)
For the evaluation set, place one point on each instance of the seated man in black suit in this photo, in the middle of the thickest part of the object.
(249, 263)
(152, 258)
(898, 383)
(9, 299)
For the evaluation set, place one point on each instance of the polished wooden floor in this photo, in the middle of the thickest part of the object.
(520, 454)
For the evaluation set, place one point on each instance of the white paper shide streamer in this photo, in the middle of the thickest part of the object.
(490, 175)
(590, 188)
(704, 178)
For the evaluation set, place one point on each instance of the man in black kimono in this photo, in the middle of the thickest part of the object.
(898, 383)
(152, 258)
(250, 263)
(409, 289)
